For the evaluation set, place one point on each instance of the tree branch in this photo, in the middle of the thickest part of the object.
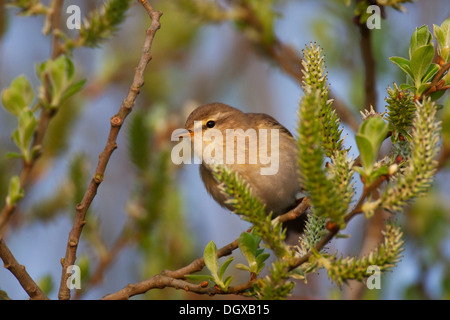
(443, 157)
(18, 270)
(161, 281)
(368, 59)
(7, 211)
(167, 277)
(106, 260)
(116, 123)
(334, 229)
(438, 83)
(44, 119)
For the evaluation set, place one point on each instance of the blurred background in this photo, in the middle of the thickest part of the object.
(150, 215)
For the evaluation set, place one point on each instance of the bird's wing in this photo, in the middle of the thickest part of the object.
(264, 121)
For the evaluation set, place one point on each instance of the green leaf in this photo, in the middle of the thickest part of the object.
(224, 266)
(13, 155)
(366, 151)
(57, 70)
(259, 251)
(73, 89)
(423, 87)
(446, 79)
(58, 74)
(69, 68)
(25, 131)
(373, 175)
(420, 62)
(436, 95)
(227, 281)
(18, 96)
(210, 258)
(442, 35)
(406, 86)
(420, 37)
(375, 129)
(431, 72)
(242, 267)
(262, 257)
(403, 64)
(27, 124)
(15, 192)
(40, 69)
(212, 263)
(260, 261)
(248, 244)
(371, 135)
(382, 171)
(15, 136)
(199, 277)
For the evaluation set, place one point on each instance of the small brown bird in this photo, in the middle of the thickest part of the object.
(270, 161)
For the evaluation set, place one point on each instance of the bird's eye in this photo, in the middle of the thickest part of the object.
(210, 124)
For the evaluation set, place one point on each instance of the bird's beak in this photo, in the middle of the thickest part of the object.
(185, 133)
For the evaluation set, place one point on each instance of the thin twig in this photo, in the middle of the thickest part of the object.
(161, 281)
(116, 124)
(335, 229)
(370, 87)
(167, 277)
(18, 270)
(105, 261)
(27, 283)
(295, 213)
(443, 157)
(436, 83)
(289, 61)
(44, 119)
